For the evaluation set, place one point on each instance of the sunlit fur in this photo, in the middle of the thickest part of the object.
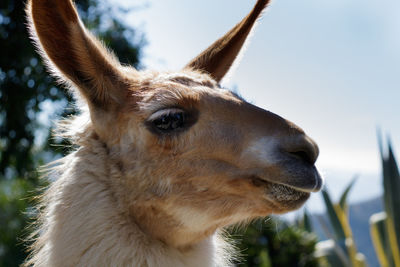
(131, 197)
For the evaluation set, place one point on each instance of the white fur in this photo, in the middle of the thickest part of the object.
(81, 226)
(261, 151)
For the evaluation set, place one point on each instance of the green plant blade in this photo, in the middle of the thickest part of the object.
(331, 252)
(391, 197)
(343, 198)
(392, 191)
(380, 239)
(307, 224)
(337, 228)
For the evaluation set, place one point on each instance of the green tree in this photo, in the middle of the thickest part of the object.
(27, 92)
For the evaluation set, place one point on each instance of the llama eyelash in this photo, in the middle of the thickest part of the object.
(163, 112)
(170, 121)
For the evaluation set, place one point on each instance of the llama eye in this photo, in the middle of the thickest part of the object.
(168, 120)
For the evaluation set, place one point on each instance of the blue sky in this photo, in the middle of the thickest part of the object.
(330, 66)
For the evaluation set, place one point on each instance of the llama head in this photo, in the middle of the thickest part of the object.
(187, 155)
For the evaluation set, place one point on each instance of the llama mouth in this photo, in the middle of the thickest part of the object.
(298, 177)
(279, 192)
(259, 182)
(306, 179)
(295, 176)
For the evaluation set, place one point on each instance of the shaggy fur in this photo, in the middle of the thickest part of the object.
(81, 226)
(134, 195)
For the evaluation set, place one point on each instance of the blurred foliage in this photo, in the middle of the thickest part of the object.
(27, 95)
(340, 249)
(385, 226)
(13, 218)
(273, 242)
(26, 88)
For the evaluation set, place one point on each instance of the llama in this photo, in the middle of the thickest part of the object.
(165, 160)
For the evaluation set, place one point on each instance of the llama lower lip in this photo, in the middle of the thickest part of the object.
(280, 192)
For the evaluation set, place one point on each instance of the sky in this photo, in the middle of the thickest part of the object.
(330, 66)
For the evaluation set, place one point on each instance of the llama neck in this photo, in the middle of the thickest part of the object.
(84, 225)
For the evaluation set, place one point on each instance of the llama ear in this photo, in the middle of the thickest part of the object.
(219, 57)
(80, 58)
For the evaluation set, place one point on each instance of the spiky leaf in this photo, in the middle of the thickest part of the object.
(343, 198)
(337, 228)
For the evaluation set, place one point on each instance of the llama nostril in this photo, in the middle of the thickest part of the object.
(305, 150)
(304, 155)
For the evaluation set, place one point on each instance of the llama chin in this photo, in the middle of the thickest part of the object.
(165, 160)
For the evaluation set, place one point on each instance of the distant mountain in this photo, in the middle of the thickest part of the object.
(359, 222)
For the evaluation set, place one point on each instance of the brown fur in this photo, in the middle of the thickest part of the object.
(130, 196)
